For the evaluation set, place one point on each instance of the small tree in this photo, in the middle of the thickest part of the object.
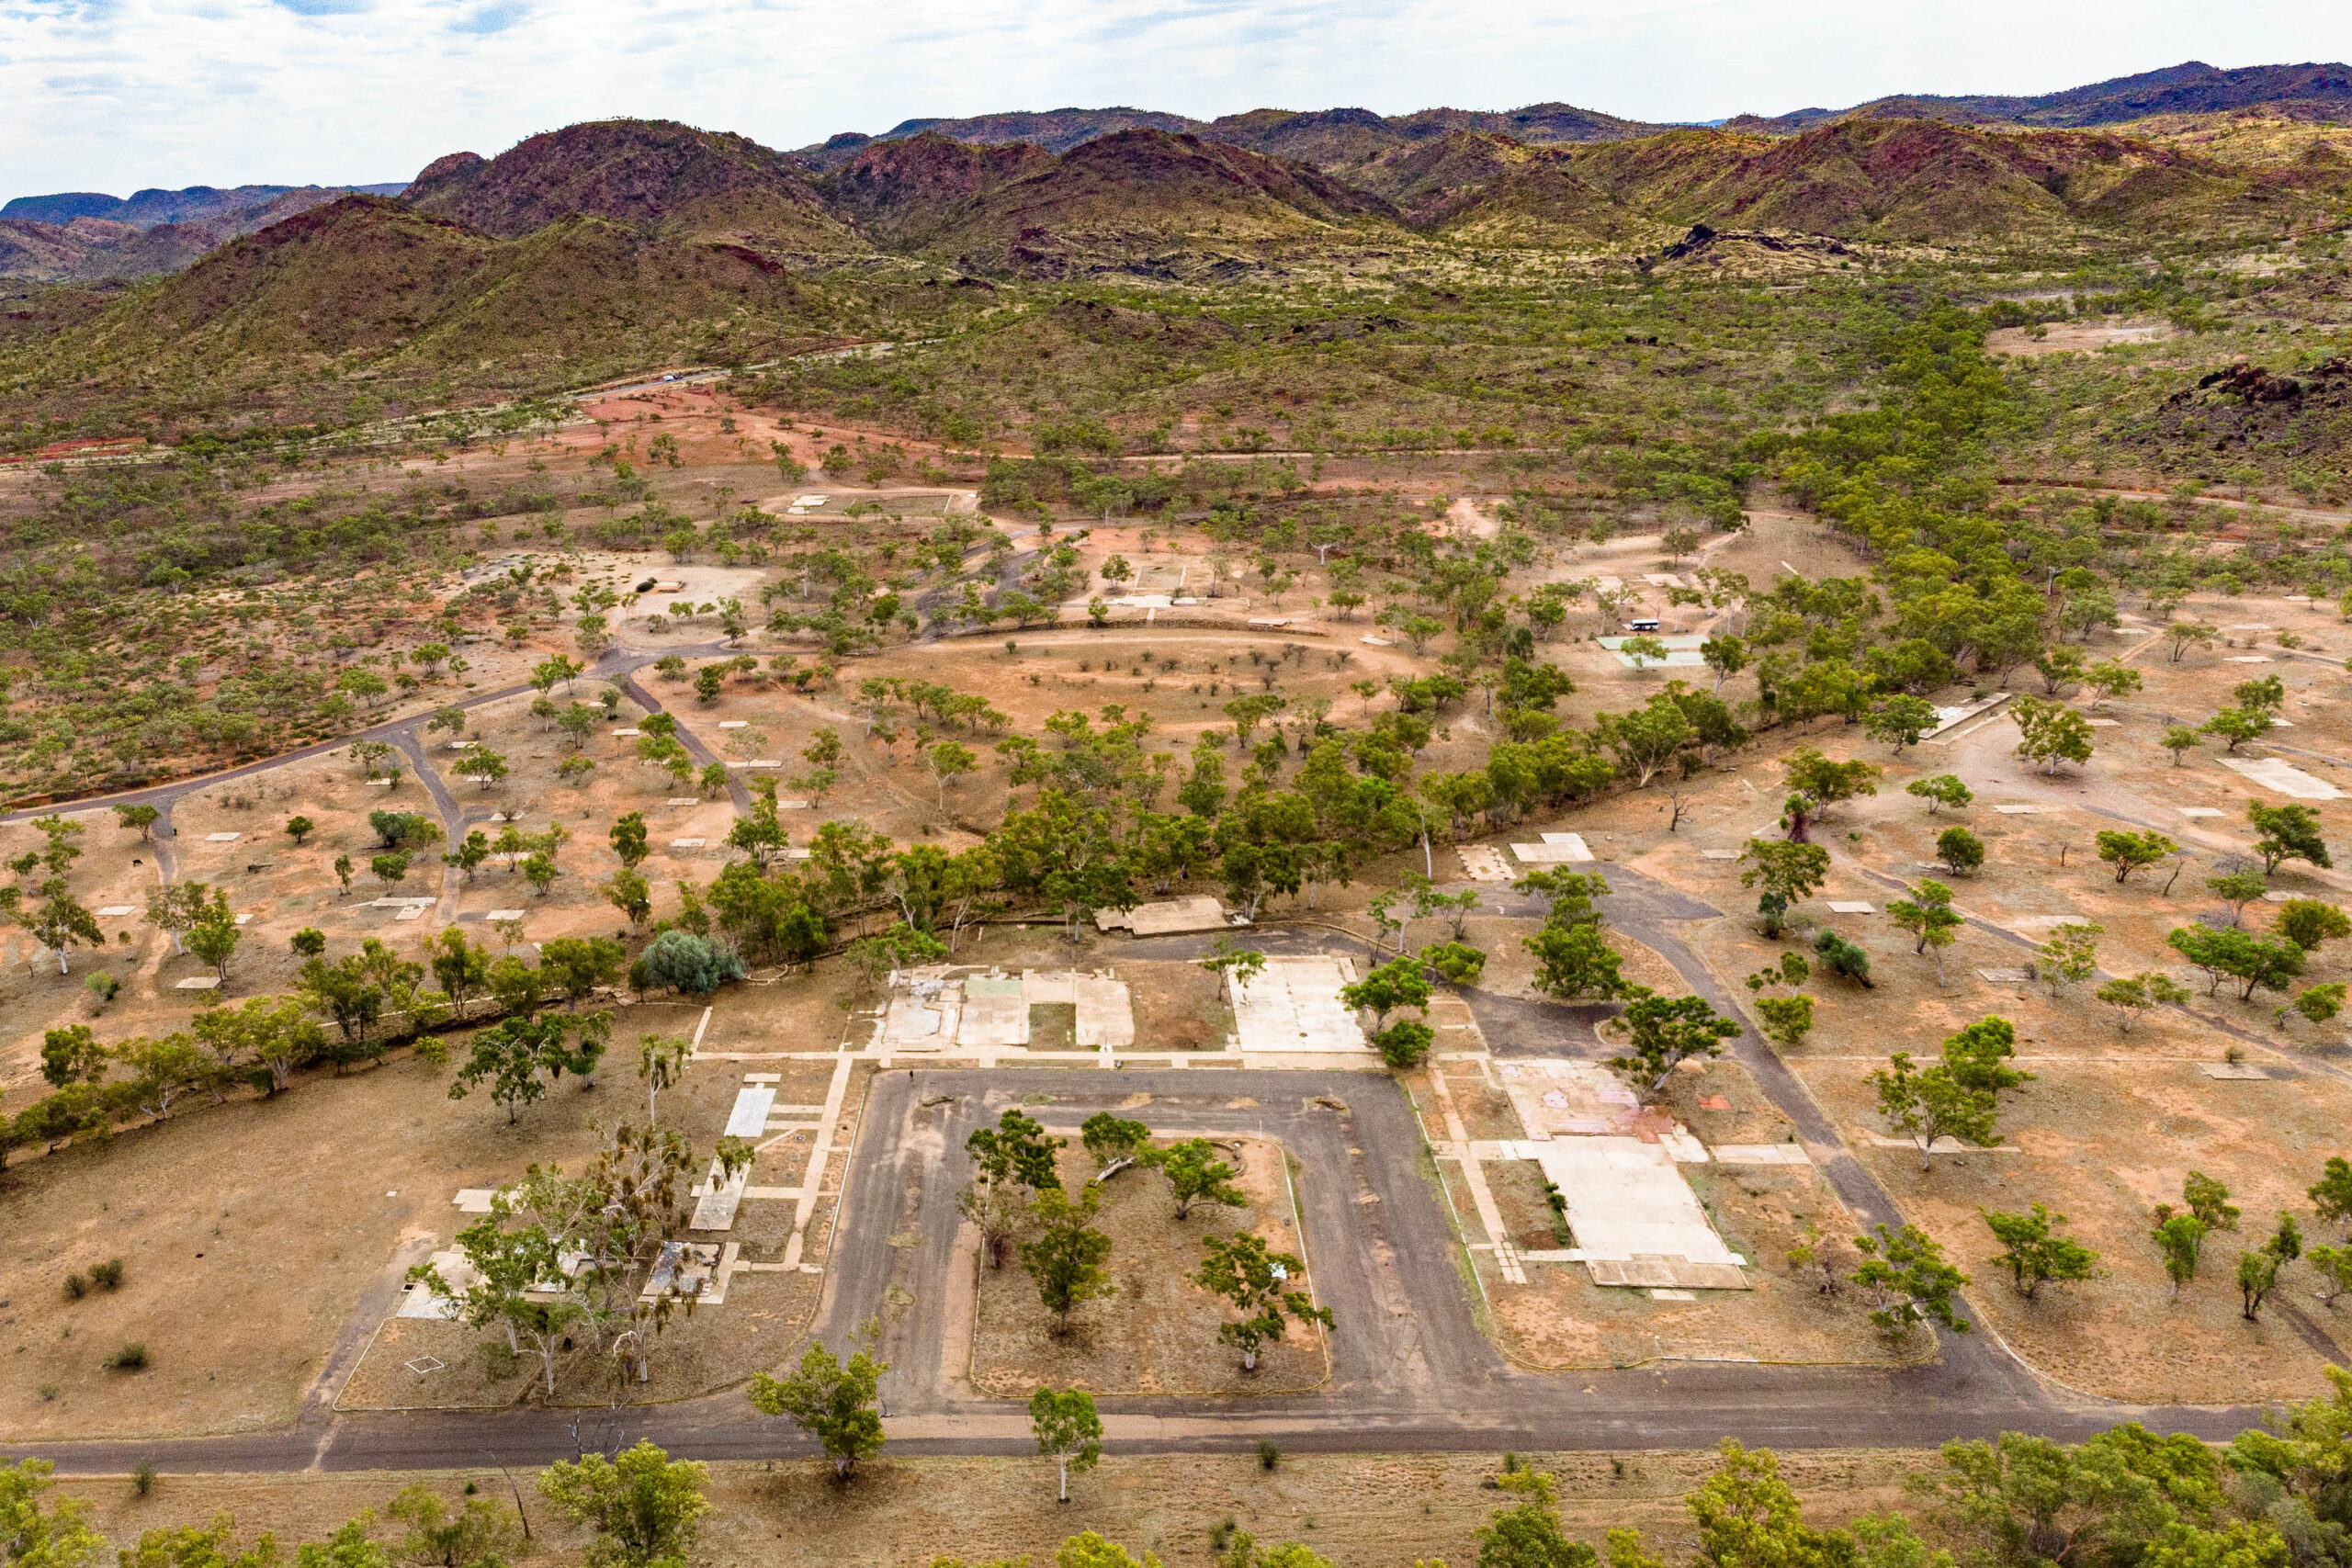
(2257, 1277)
(2181, 1238)
(1839, 956)
(629, 840)
(2051, 733)
(2179, 739)
(1786, 1020)
(2238, 888)
(141, 817)
(1927, 914)
(2111, 678)
(2136, 994)
(2288, 832)
(482, 765)
(1068, 1429)
(2128, 853)
(1574, 961)
(1259, 1284)
(834, 1403)
(1944, 789)
(1665, 1032)
(2035, 1253)
(2331, 1195)
(1195, 1175)
(214, 936)
(1066, 1256)
(1960, 850)
(1787, 872)
(1114, 1143)
(2070, 955)
(2308, 922)
(299, 828)
(946, 760)
(1933, 1104)
(2209, 1200)
(1905, 1273)
(1826, 783)
(1900, 721)
(643, 1505)
(2236, 727)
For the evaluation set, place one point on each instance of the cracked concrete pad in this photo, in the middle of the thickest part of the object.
(2276, 772)
(1293, 1006)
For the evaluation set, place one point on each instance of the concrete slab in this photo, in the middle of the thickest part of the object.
(685, 843)
(1107, 1013)
(1293, 1006)
(2201, 811)
(1484, 862)
(1567, 1097)
(505, 915)
(2230, 1070)
(734, 724)
(751, 1112)
(1627, 1200)
(2017, 810)
(995, 1012)
(116, 911)
(473, 1199)
(2005, 977)
(420, 1302)
(199, 983)
(1557, 849)
(222, 837)
(1718, 854)
(1851, 907)
(1656, 1273)
(715, 1209)
(1166, 917)
(683, 800)
(411, 913)
(2275, 773)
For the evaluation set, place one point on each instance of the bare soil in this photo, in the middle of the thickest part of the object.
(1157, 1333)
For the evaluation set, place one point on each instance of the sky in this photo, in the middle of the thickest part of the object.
(116, 94)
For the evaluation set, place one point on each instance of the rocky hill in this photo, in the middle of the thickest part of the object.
(1938, 182)
(228, 211)
(897, 192)
(1148, 201)
(655, 175)
(2317, 91)
(371, 286)
(84, 236)
(88, 249)
(1483, 187)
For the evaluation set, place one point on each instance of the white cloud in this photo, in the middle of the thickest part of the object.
(111, 94)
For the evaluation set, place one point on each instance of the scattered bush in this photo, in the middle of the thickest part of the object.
(132, 1357)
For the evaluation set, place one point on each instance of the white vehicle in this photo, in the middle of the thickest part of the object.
(1647, 624)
